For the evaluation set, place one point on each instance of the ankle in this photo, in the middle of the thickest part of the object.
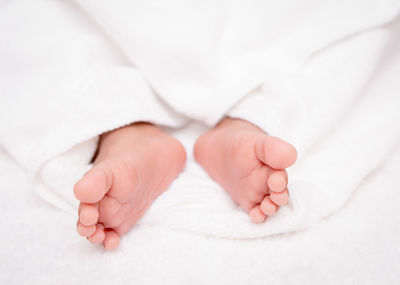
(238, 124)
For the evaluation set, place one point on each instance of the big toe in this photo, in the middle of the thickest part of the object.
(93, 185)
(275, 152)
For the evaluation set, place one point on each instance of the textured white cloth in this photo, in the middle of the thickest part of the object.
(321, 75)
(358, 245)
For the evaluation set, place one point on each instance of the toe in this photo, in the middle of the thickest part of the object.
(257, 215)
(275, 152)
(93, 185)
(280, 198)
(268, 207)
(277, 181)
(111, 240)
(110, 210)
(84, 230)
(88, 214)
(98, 236)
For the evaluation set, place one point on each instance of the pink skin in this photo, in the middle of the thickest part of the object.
(134, 165)
(248, 164)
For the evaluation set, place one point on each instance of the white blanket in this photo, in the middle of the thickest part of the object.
(357, 245)
(322, 76)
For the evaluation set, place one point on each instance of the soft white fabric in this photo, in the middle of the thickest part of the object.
(191, 51)
(358, 245)
(312, 73)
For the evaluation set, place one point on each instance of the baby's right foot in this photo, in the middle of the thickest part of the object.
(134, 165)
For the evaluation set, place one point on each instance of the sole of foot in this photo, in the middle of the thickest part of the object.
(134, 165)
(249, 164)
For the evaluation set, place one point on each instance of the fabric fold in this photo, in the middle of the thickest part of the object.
(344, 122)
(307, 72)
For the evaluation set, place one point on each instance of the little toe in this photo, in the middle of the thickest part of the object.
(111, 240)
(98, 236)
(88, 214)
(93, 185)
(280, 198)
(277, 181)
(85, 231)
(268, 207)
(257, 215)
(275, 152)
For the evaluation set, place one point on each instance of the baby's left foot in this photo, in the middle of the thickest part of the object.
(248, 164)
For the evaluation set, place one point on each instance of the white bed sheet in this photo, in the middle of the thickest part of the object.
(358, 245)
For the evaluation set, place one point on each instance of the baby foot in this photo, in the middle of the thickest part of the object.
(248, 164)
(134, 165)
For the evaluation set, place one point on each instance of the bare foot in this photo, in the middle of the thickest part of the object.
(248, 164)
(134, 165)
